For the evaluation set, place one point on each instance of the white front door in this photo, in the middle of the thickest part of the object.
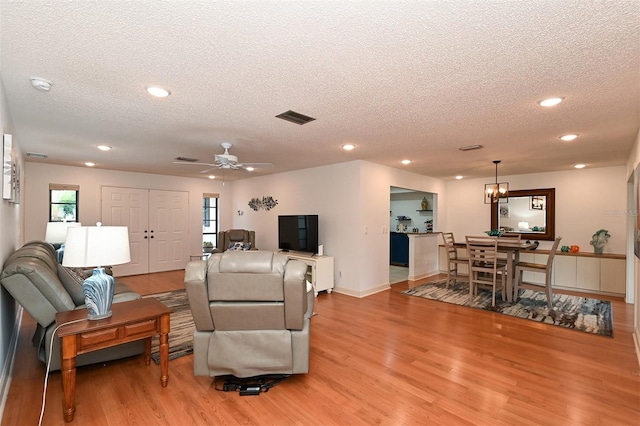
(168, 230)
(158, 227)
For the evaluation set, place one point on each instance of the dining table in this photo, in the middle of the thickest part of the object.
(512, 248)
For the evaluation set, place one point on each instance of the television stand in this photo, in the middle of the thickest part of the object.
(319, 270)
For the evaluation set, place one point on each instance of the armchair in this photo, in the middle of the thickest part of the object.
(225, 238)
(252, 313)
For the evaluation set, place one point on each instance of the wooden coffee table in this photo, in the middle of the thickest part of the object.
(130, 321)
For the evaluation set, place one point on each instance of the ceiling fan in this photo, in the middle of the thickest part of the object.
(225, 161)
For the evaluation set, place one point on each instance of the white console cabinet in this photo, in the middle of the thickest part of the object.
(319, 270)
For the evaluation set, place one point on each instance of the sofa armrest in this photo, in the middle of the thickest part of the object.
(195, 282)
(295, 294)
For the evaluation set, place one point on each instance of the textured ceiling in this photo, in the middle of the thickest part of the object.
(412, 80)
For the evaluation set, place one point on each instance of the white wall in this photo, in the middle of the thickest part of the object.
(38, 176)
(586, 200)
(633, 263)
(11, 226)
(352, 202)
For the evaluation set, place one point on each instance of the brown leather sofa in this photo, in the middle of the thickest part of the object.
(43, 287)
(231, 236)
(252, 313)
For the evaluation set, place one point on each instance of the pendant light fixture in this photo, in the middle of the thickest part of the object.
(497, 192)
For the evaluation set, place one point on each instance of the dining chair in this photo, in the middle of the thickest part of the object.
(510, 238)
(484, 267)
(453, 259)
(545, 268)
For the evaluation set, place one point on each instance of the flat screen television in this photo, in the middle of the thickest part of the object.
(298, 233)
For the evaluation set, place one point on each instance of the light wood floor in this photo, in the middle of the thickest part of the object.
(386, 359)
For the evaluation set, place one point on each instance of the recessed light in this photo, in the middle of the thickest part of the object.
(580, 166)
(104, 147)
(406, 161)
(212, 177)
(41, 84)
(568, 137)
(550, 102)
(249, 169)
(458, 177)
(348, 147)
(89, 164)
(158, 92)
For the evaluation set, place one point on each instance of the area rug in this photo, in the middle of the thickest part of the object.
(182, 326)
(574, 312)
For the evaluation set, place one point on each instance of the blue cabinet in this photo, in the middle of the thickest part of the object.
(399, 249)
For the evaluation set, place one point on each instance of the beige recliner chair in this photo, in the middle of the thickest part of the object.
(226, 238)
(252, 313)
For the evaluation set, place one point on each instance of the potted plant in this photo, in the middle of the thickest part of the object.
(207, 247)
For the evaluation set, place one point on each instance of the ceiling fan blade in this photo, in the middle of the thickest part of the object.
(257, 164)
(209, 169)
(199, 164)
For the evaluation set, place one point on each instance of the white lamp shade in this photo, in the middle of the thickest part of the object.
(56, 232)
(96, 246)
(523, 226)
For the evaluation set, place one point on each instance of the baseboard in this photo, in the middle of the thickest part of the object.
(422, 276)
(369, 292)
(5, 376)
(636, 341)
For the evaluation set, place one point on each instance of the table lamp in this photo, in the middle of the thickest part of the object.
(56, 232)
(97, 246)
(523, 226)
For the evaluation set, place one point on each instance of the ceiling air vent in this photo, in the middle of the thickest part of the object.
(190, 160)
(295, 117)
(36, 155)
(470, 147)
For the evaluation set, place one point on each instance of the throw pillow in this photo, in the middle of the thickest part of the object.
(72, 282)
(239, 246)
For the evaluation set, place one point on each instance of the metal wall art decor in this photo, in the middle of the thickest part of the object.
(267, 203)
(7, 168)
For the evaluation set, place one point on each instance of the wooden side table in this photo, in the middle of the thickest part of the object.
(130, 321)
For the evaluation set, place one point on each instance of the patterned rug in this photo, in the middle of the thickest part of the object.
(578, 313)
(182, 326)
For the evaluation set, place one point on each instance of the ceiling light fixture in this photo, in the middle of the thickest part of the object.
(406, 162)
(496, 192)
(89, 164)
(104, 147)
(212, 177)
(568, 137)
(348, 147)
(41, 84)
(580, 166)
(550, 102)
(459, 177)
(250, 169)
(158, 92)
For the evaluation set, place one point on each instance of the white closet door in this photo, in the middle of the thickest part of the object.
(129, 207)
(168, 230)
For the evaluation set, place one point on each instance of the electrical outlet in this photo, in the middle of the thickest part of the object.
(366, 230)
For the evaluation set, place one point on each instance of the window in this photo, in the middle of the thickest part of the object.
(210, 219)
(63, 203)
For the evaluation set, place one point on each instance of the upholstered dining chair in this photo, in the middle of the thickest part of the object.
(453, 260)
(544, 268)
(484, 267)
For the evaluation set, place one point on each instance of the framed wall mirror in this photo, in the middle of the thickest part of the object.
(530, 212)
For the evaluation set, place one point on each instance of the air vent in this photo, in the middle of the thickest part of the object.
(295, 117)
(470, 147)
(190, 160)
(36, 155)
